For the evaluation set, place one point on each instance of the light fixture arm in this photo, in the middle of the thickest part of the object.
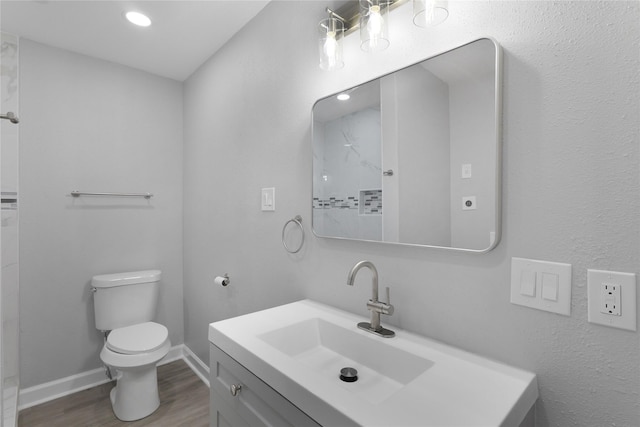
(332, 14)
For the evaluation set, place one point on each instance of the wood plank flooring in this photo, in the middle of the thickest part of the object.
(184, 401)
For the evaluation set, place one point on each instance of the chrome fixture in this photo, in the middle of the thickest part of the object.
(376, 307)
(77, 193)
(372, 17)
(349, 374)
(298, 221)
(11, 117)
(235, 389)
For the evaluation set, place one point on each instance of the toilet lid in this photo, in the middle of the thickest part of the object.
(135, 339)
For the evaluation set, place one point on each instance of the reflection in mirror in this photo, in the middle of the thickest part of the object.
(414, 156)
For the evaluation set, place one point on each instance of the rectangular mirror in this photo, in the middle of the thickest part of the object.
(414, 157)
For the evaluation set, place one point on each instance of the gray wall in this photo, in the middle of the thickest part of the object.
(91, 125)
(571, 190)
(422, 115)
(472, 133)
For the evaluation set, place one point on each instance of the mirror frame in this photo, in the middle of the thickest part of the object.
(498, 157)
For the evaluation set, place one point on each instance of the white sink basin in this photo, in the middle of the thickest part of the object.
(299, 349)
(326, 348)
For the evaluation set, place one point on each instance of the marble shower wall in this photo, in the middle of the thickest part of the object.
(9, 188)
(348, 191)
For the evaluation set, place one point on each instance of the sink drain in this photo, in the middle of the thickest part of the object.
(348, 375)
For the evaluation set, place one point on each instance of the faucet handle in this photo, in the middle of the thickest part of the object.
(389, 308)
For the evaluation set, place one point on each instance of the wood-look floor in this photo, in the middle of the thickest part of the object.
(184, 401)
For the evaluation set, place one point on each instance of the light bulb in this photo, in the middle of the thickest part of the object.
(330, 48)
(138, 19)
(430, 12)
(374, 34)
(375, 22)
(330, 43)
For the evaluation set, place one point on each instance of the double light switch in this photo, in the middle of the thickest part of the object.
(542, 285)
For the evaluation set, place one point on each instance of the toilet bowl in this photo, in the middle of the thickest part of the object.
(125, 307)
(134, 352)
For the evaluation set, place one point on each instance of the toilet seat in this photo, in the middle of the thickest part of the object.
(137, 339)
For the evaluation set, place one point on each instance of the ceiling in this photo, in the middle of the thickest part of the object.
(183, 35)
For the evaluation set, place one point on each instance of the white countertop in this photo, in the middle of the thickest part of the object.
(456, 388)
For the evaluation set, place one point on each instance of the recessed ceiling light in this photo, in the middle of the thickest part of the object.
(138, 18)
(343, 96)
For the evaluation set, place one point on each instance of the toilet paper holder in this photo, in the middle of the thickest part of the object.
(222, 280)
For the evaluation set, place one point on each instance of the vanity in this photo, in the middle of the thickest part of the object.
(411, 158)
(282, 367)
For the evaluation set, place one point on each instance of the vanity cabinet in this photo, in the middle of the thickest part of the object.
(238, 398)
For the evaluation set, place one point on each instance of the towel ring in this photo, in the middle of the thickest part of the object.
(297, 220)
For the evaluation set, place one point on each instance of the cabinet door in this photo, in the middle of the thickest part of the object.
(222, 415)
(255, 403)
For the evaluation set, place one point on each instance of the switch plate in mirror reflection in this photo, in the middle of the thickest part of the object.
(422, 121)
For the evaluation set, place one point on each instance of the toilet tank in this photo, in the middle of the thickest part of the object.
(124, 299)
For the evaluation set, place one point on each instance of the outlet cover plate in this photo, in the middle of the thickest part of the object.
(626, 283)
(469, 203)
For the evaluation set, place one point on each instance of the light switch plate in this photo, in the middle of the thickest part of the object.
(268, 199)
(466, 171)
(551, 287)
(624, 317)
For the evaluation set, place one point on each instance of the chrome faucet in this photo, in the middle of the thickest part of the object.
(376, 307)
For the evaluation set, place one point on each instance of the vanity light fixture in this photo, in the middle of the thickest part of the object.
(429, 13)
(372, 17)
(374, 25)
(137, 18)
(331, 31)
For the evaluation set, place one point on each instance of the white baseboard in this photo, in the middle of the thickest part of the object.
(175, 353)
(198, 366)
(42, 393)
(9, 412)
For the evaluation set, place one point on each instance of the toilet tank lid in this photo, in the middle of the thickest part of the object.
(121, 279)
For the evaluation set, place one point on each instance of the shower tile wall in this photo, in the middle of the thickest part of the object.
(9, 233)
(350, 161)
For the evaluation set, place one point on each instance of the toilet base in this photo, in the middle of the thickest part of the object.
(135, 395)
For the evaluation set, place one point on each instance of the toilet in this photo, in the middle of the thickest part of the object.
(125, 305)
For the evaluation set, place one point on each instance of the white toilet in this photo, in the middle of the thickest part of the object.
(125, 304)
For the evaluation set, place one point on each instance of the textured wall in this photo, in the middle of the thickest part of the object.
(571, 190)
(92, 125)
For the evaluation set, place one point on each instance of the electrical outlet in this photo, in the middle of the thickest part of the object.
(610, 299)
(468, 203)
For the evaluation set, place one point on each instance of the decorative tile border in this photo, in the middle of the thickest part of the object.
(371, 202)
(368, 202)
(349, 202)
(9, 200)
